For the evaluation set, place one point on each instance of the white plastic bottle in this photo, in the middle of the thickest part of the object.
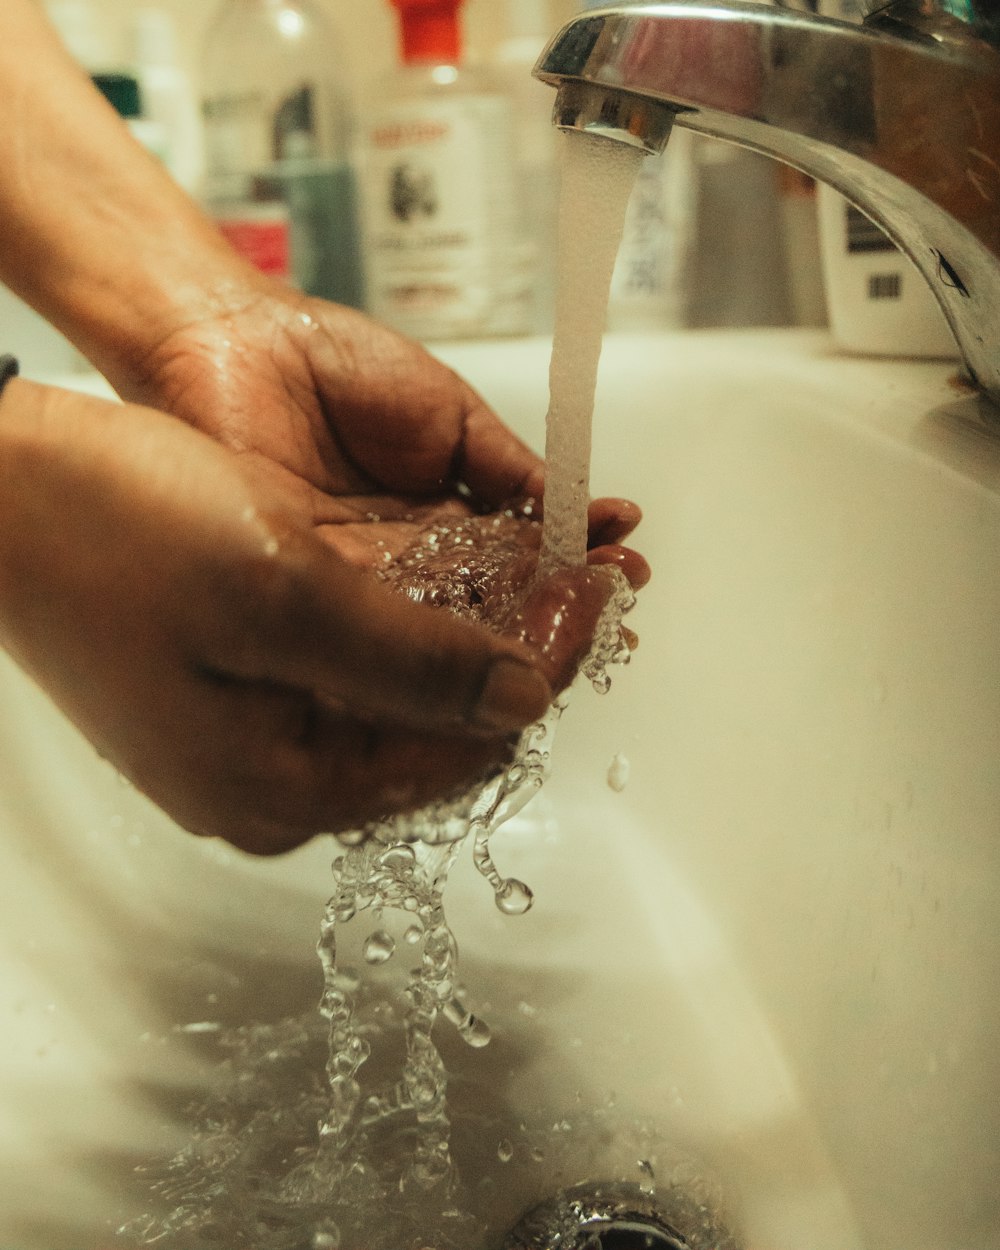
(277, 144)
(439, 190)
(168, 96)
(879, 304)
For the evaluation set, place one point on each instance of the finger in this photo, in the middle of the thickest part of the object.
(493, 462)
(611, 520)
(559, 617)
(635, 568)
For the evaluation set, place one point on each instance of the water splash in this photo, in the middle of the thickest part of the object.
(237, 1185)
(381, 1128)
(378, 1170)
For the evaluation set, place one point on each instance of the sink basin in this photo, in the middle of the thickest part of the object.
(774, 952)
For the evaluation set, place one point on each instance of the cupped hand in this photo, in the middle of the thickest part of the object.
(252, 681)
(366, 435)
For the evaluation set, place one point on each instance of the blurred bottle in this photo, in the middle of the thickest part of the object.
(799, 221)
(82, 31)
(168, 97)
(529, 29)
(879, 303)
(277, 140)
(650, 288)
(441, 209)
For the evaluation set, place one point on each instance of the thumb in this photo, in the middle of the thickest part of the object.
(333, 629)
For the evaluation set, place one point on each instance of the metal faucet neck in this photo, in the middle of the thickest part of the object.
(902, 117)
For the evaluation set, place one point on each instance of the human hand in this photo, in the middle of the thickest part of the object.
(252, 682)
(367, 436)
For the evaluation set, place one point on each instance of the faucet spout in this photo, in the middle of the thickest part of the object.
(903, 119)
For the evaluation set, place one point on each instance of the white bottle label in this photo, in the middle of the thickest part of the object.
(440, 217)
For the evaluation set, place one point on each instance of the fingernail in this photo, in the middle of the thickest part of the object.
(514, 695)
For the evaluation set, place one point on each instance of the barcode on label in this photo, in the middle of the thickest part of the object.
(885, 286)
(863, 235)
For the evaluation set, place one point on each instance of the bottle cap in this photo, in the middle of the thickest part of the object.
(122, 91)
(430, 30)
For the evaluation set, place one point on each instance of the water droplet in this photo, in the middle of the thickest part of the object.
(413, 935)
(475, 1032)
(423, 1089)
(618, 772)
(198, 1026)
(505, 1150)
(326, 1237)
(351, 837)
(514, 898)
(379, 947)
(398, 858)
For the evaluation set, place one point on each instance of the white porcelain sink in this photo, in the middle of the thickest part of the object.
(779, 945)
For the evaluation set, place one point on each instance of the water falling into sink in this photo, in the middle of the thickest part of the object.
(596, 181)
(372, 1077)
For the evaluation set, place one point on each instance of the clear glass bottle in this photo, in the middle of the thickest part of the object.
(528, 30)
(277, 144)
(441, 208)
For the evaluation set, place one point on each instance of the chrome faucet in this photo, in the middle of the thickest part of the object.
(900, 113)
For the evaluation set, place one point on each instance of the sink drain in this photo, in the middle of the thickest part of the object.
(614, 1216)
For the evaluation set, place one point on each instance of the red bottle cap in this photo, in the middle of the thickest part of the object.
(430, 30)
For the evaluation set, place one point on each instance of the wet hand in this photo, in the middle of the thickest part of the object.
(250, 680)
(367, 436)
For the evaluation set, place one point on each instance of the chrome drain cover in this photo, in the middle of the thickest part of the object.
(612, 1216)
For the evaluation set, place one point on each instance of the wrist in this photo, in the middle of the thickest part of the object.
(176, 272)
(96, 235)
